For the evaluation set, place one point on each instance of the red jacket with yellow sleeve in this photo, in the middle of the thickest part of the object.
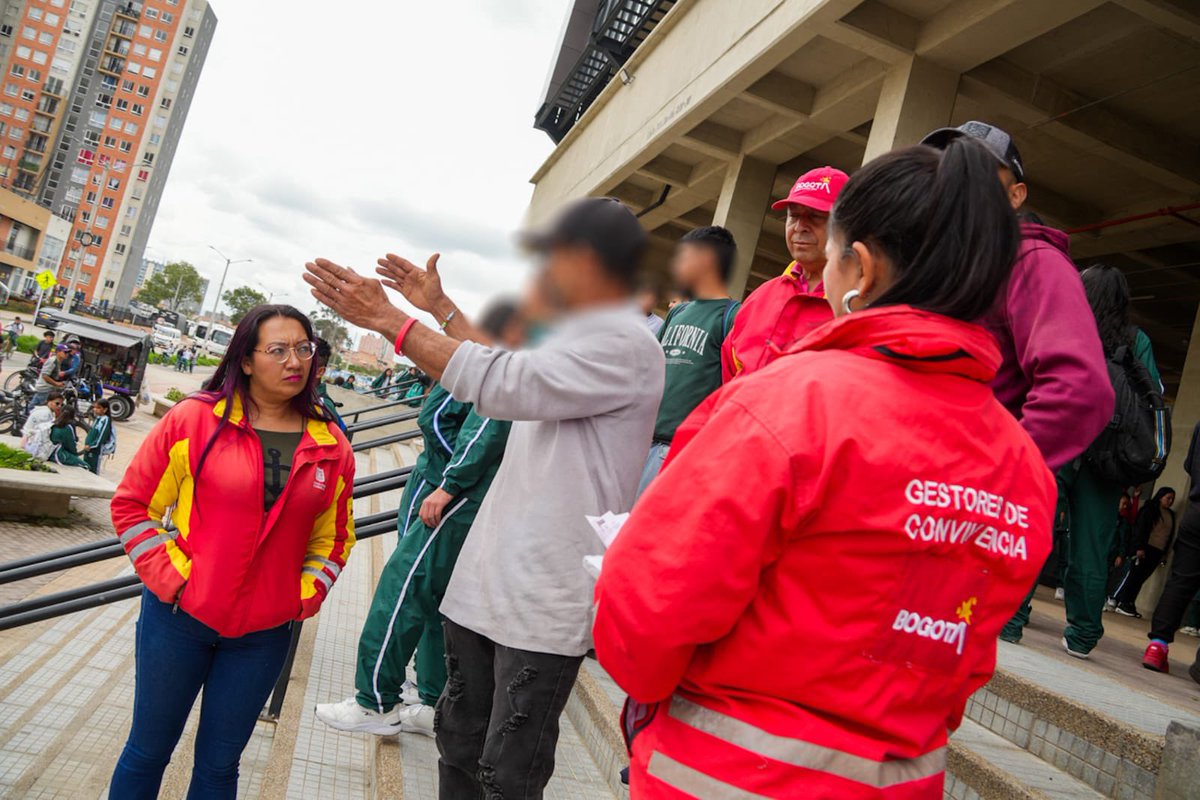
(209, 546)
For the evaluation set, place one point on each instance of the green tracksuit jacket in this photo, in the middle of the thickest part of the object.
(404, 616)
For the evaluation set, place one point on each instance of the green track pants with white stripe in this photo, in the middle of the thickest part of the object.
(404, 614)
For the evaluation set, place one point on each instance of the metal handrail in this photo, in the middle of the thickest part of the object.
(382, 421)
(395, 438)
(105, 549)
(403, 401)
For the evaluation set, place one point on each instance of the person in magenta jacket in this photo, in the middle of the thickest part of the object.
(1052, 375)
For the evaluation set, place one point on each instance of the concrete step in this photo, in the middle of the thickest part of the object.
(985, 766)
(1078, 719)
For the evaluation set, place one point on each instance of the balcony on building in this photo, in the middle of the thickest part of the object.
(117, 46)
(124, 29)
(54, 88)
(129, 10)
(112, 65)
(47, 105)
(37, 144)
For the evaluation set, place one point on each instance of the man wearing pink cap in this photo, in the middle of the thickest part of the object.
(784, 309)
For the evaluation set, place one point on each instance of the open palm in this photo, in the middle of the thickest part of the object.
(421, 287)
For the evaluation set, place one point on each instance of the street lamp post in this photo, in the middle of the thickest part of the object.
(220, 288)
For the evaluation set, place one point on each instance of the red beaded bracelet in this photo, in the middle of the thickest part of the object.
(404, 329)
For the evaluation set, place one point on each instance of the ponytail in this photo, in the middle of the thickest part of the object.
(943, 221)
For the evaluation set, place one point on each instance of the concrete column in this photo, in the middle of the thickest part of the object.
(745, 198)
(1184, 415)
(917, 97)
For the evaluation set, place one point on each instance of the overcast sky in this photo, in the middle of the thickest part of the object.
(348, 130)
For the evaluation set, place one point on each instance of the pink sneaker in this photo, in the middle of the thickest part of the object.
(1156, 658)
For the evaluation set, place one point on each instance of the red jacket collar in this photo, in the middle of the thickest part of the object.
(914, 339)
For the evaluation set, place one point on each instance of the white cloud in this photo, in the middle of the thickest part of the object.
(355, 129)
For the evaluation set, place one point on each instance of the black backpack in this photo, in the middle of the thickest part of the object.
(1133, 448)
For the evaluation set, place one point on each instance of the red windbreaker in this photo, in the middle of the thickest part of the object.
(814, 585)
(240, 570)
(774, 317)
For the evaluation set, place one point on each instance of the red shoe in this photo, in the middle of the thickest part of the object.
(1156, 658)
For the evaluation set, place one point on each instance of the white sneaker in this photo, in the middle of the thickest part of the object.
(1072, 653)
(348, 715)
(417, 719)
(1059, 594)
(1188, 630)
(409, 694)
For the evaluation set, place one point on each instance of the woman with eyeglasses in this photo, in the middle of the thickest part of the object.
(237, 515)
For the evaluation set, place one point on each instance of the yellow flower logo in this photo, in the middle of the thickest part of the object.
(966, 609)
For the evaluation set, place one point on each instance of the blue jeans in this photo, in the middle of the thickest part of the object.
(654, 462)
(176, 656)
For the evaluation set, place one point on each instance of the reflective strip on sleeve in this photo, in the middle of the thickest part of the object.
(320, 575)
(807, 755)
(327, 563)
(145, 546)
(132, 533)
(693, 782)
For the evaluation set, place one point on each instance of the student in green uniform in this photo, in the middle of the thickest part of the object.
(65, 440)
(444, 492)
(98, 436)
(693, 333)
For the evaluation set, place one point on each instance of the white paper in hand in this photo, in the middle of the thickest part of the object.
(607, 526)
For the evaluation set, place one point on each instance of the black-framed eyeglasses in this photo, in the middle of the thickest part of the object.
(280, 352)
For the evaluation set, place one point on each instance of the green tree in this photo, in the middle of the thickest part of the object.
(331, 327)
(176, 283)
(240, 301)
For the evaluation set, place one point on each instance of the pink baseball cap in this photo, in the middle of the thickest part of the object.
(817, 189)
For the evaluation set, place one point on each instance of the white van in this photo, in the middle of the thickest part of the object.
(166, 338)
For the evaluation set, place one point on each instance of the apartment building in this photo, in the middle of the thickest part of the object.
(94, 97)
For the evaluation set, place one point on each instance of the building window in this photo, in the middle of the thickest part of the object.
(91, 199)
(143, 91)
(168, 17)
(120, 248)
(102, 222)
(6, 109)
(12, 89)
(16, 133)
(28, 95)
(127, 85)
(98, 119)
(28, 33)
(134, 67)
(152, 13)
(143, 174)
(149, 73)
(104, 100)
(160, 36)
(189, 32)
(115, 123)
(119, 165)
(35, 13)
(138, 109)
(155, 138)
(114, 183)
(122, 105)
(110, 141)
(46, 38)
(131, 210)
(148, 158)
(126, 147)
(126, 230)
(139, 49)
(155, 54)
(86, 156)
(6, 30)
(106, 202)
(131, 128)
(22, 114)
(165, 103)
(183, 50)
(24, 52)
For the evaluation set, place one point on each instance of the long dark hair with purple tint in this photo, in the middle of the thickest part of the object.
(229, 381)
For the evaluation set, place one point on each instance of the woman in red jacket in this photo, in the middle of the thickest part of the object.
(775, 645)
(236, 514)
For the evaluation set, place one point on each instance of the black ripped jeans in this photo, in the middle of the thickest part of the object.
(497, 720)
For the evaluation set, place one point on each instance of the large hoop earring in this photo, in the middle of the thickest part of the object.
(848, 298)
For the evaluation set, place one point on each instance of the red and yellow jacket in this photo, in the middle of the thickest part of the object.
(775, 316)
(228, 564)
(814, 627)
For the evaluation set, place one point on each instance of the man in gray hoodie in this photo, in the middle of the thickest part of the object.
(583, 405)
